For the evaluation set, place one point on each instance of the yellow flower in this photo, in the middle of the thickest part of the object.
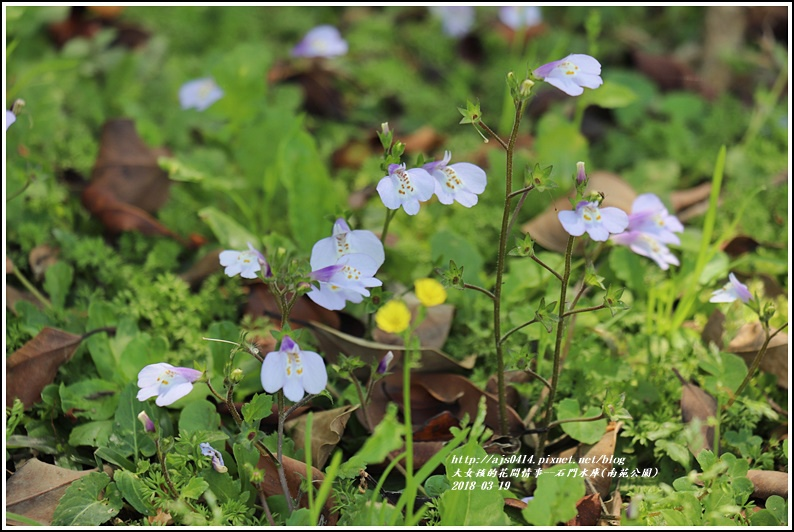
(393, 317)
(430, 292)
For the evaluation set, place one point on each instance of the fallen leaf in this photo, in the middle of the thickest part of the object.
(85, 22)
(321, 97)
(437, 427)
(597, 456)
(714, 328)
(34, 365)
(14, 296)
(261, 303)
(748, 342)
(202, 268)
(36, 488)
(40, 258)
(682, 199)
(668, 72)
(424, 140)
(333, 342)
(768, 483)
(432, 332)
(698, 404)
(127, 184)
(739, 245)
(588, 511)
(328, 426)
(434, 393)
(295, 472)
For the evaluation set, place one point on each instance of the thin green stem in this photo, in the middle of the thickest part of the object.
(32, 289)
(547, 267)
(555, 375)
(217, 395)
(756, 362)
(500, 267)
(410, 486)
(231, 406)
(575, 420)
(282, 476)
(362, 398)
(580, 310)
(517, 328)
(534, 375)
(479, 289)
(517, 209)
(389, 215)
(496, 137)
(524, 191)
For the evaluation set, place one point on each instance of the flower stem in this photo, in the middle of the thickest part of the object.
(282, 476)
(517, 328)
(495, 136)
(500, 266)
(479, 289)
(756, 362)
(409, 440)
(362, 398)
(27, 284)
(547, 267)
(389, 215)
(555, 374)
(588, 309)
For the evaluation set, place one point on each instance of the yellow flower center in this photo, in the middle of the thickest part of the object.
(430, 292)
(393, 317)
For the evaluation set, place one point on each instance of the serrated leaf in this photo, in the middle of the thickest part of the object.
(134, 491)
(89, 501)
(194, 489)
(259, 407)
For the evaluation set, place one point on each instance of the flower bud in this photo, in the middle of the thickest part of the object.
(237, 375)
(384, 363)
(581, 176)
(526, 88)
(148, 424)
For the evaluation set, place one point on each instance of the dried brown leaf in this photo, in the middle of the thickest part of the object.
(768, 483)
(614, 506)
(34, 365)
(328, 426)
(36, 488)
(14, 296)
(588, 511)
(511, 377)
(40, 258)
(295, 471)
(697, 404)
(748, 342)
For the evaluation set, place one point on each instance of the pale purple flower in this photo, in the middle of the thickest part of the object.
(217, 458)
(148, 424)
(599, 222)
(405, 188)
(460, 182)
(519, 17)
(10, 118)
(647, 245)
(294, 371)
(649, 215)
(732, 291)
(347, 280)
(572, 73)
(383, 365)
(456, 21)
(322, 41)
(199, 94)
(246, 263)
(345, 241)
(165, 381)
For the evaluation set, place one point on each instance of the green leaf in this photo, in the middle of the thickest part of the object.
(114, 457)
(222, 485)
(436, 485)
(93, 399)
(258, 408)
(229, 233)
(311, 194)
(610, 95)
(222, 330)
(560, 144)
(585, 431)
(449, 245)
(778, 506)
(101, 314)
(57, 281)
(675, 451)
(134, 491)
(300, 517)
(93, 434)
(89, 501)
(764, 518)
(199, 415)
(141, 351)
(473, 507)
(194, 489)
(559, 489)
(387, 437)
(247, 457)
(629, 268)
(129, 437)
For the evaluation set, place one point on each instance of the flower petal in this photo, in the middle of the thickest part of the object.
(613, 219)
(274, 371)
(173, 393)
(388, 193)
(571, 222)
(315, 376)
